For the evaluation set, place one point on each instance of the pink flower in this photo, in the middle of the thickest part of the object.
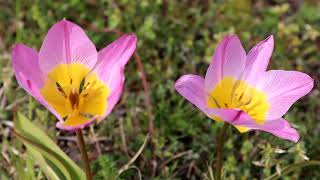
(237, 89)
(69, 77)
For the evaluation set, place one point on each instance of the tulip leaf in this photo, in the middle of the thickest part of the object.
(51, 159)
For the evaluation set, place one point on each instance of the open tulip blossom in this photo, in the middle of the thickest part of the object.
(69, 77)
(237, 89)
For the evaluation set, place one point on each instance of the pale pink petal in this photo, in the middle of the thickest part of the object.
(232, 116)
(192, 88)
(110, 66)
(214, 72)
(60, 125)
(258, 60)
(279, 127)
(228, 60)
(116, 91)
(28, 74)
(25, 62)
(283, 88)
(66, 43)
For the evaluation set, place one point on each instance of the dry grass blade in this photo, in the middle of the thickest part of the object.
(127, 166)
(175, 157)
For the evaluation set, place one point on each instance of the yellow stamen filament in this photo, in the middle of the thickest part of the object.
(237, 94)
(75, 94)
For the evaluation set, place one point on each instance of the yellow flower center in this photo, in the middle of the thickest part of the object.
(237, 94)
(75, 94)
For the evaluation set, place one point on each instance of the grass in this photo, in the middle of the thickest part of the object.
(175, 38)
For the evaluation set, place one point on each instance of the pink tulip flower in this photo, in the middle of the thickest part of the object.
(237, 89)
(70, 78)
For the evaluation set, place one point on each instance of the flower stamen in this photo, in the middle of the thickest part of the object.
(60, 89)
(74, 99)
(236, 94)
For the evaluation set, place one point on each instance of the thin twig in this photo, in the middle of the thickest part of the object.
(210, 172)
(17, 102)
(190, 169)
(154, 165)
(293, 167)
(127, 166)
(1, 91)
(123, 136)
(147, 93)
(95, 140)
(175, 157)
(137, 169)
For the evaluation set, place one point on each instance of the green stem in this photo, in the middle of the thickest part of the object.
(291, 168)
(220, 142)
(84, 154)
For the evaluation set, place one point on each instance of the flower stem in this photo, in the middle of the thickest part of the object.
(84, 154)
(220, 143)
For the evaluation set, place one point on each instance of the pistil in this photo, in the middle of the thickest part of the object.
(74, 99)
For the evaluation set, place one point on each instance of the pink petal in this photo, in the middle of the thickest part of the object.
(110, 66)
(283, 88)
(228, 60)
(258, 60)
(233, 116)
(192, 88)
(66, 43)
(28, 74)
(116, 90)
(279, 127)
(25, 62)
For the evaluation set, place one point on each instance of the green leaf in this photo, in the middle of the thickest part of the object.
(51, 159)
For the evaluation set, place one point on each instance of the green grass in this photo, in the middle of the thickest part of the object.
(175, 38)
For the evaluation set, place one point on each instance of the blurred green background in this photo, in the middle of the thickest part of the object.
(175, 38)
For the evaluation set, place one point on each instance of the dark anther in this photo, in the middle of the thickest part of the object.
(241, 96)
(248, 102)
(215, 102)
(81, 85)
(70, 80)
(60, 89)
